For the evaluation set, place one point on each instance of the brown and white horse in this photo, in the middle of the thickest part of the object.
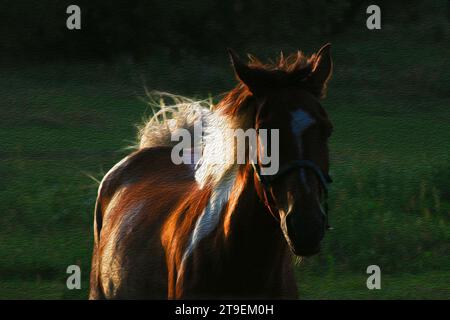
(212, 230)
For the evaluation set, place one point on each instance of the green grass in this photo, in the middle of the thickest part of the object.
(428, 285)
(390, 203)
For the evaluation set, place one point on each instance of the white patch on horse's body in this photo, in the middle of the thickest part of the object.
(218, 150)
(210, 217)
(217, 168)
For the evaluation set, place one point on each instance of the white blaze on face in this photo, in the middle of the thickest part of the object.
(301, 120)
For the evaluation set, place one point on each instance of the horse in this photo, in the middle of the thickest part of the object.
(220, 230)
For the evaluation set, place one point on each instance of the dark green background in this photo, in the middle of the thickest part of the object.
(70, 100)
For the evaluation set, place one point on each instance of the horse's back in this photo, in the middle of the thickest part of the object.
(134, 200)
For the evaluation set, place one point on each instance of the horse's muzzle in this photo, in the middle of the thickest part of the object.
(304, 233)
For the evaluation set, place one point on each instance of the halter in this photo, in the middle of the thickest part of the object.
(324, 179)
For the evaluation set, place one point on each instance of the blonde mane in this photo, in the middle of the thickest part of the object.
(172, 113)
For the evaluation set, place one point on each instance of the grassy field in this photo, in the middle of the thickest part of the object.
(61, 125)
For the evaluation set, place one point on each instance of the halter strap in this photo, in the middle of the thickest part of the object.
(324, 179)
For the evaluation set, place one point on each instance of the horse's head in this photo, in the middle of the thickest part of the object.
(286, 96)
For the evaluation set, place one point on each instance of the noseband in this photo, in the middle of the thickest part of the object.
(324, 178)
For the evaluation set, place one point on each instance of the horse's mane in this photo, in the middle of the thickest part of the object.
(174, 112)
(293, 62)
(169, 113)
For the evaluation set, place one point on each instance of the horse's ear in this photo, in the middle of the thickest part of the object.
(253, 78)
(322, 68)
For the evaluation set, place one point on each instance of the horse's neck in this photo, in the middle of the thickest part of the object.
(248, 226)
(244, 253)
(254, 257)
